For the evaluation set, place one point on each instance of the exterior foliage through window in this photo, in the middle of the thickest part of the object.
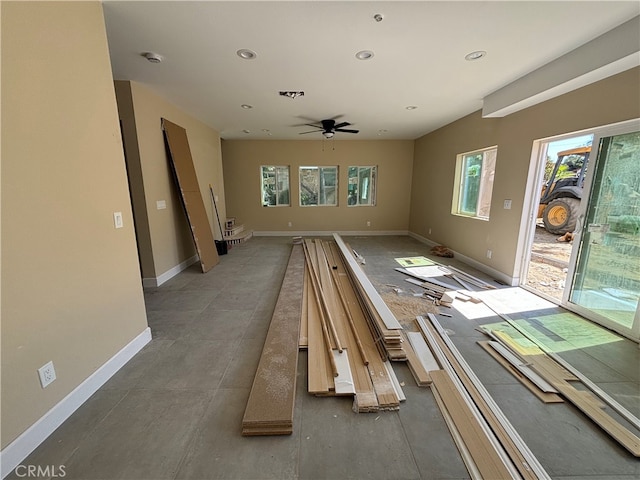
(275, 186)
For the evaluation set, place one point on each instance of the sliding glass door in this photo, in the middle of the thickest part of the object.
(605, 278)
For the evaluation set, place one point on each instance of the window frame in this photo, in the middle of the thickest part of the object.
(487, 177)
(278, 192)
(372, 187)
(320, 171)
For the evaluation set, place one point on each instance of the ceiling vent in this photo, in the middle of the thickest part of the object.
(292, 94)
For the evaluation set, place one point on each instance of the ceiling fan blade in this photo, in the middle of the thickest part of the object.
(340, 125)
(346, 130)
(311, 131)
(315, 125)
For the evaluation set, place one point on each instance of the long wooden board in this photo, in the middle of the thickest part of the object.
(488, 463)
(271, 402)
(185, 175)
(545, 397)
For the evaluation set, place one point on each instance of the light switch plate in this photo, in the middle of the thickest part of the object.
(117, 219)
(161, 204)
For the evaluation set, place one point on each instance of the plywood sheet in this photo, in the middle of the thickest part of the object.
(185, 174)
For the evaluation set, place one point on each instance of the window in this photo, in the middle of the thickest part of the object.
(275, 186)
(318, 186)
(362, 186)
(474, 183)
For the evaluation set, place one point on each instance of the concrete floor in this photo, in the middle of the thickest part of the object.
(175, 410)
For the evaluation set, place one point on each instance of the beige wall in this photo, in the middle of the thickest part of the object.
(609, 101)
(71, 283)
(242, 160)
(168, 232)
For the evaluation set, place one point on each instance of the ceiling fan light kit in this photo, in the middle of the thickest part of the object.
(329, 128)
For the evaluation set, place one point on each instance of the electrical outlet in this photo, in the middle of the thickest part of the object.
(507, 204)
(429, 231)
(489, 253)
(368, 223)
(161, 204)
(290, 224)
(47, 374)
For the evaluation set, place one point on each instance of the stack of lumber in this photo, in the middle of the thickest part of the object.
(383, 324)
(342, 354)
(488, 443)
(270, 406)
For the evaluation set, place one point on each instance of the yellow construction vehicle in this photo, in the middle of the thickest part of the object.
(562, 191)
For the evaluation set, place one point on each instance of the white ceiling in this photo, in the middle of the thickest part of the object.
(419, 59)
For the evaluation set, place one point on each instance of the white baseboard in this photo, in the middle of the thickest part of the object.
(169, 274)
(327, 233)
(492, 272)
(37, 433)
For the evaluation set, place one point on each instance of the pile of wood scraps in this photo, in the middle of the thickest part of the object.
(441, 292)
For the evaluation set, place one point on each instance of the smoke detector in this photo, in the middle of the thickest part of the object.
(152, 57)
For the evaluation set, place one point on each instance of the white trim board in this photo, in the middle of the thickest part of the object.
(492, 272)
(169, 274)
(37, 433)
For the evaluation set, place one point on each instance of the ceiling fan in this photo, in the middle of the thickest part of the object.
(329, 128)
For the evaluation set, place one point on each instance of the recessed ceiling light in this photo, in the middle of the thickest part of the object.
(411, 107)
(364, 55)
(247, 54)
(246, 131)
(477, 55)
(152, 57)
(378, 17)
(246, 106)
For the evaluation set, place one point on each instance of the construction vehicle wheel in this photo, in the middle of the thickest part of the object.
(560, 215)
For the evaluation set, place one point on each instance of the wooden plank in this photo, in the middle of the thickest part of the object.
(588, 406)
(272, 397)
(394, 381)
(303, 342)
(422, 350)
(474, 473)
(185, 175)
(389, 319)
(487, 461)
(344, 381)
(416, 367)
(545, 397)
(540, 382)
(319, 377)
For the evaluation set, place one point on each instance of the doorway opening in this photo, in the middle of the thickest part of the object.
(562, 166)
